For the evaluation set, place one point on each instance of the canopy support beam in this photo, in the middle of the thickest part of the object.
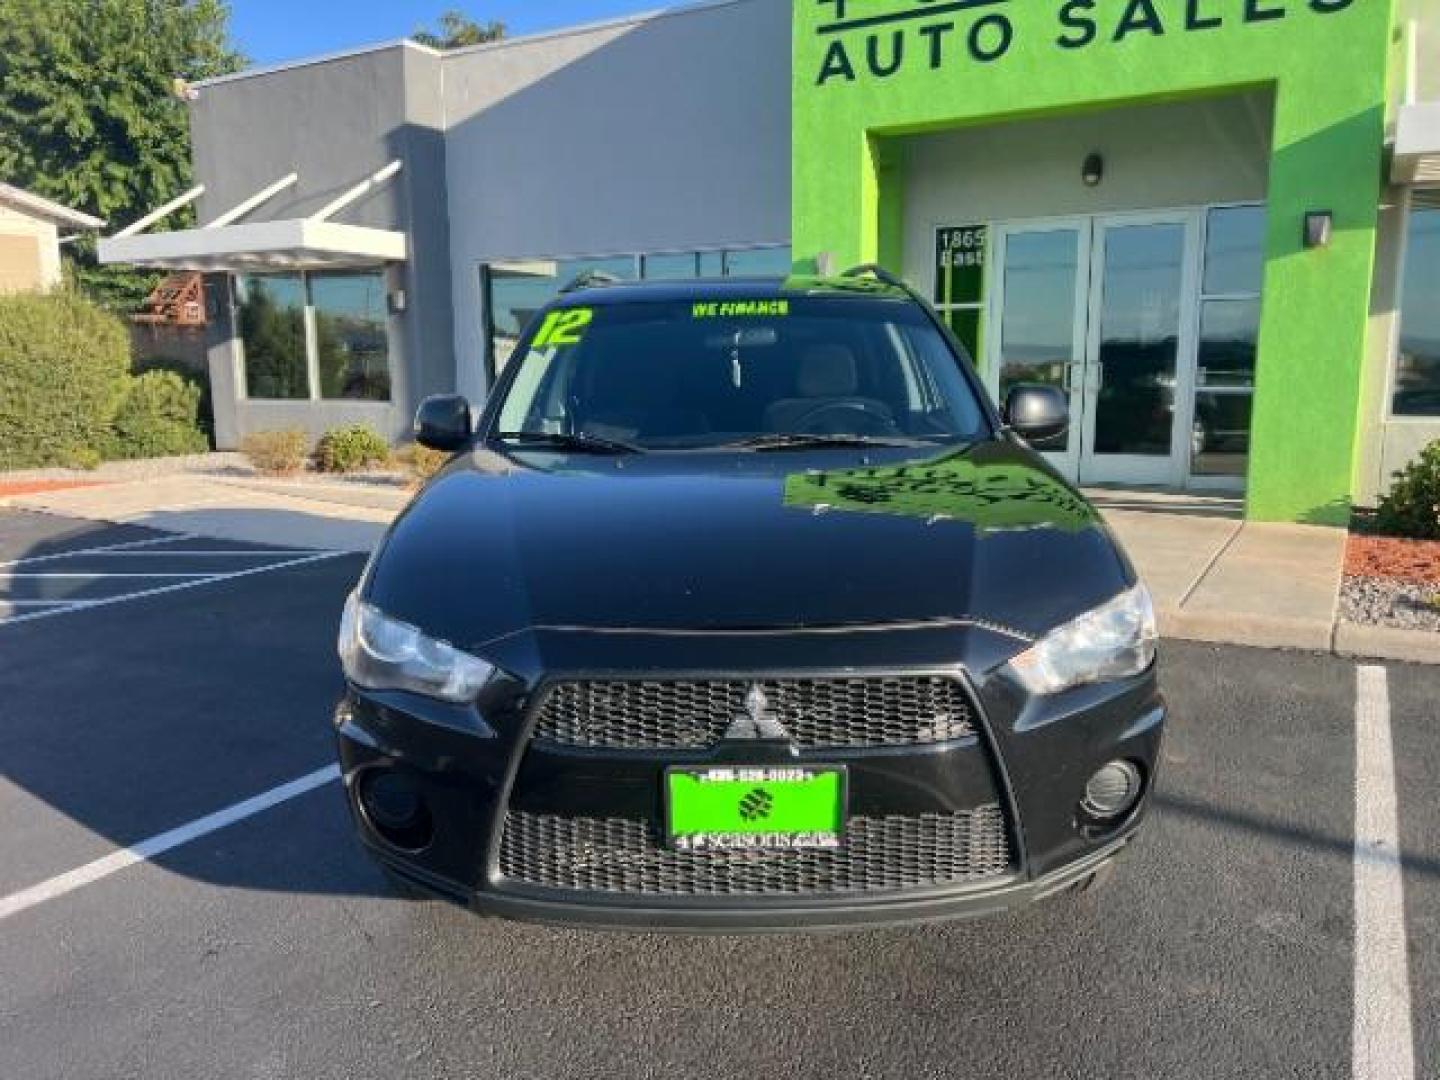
(160, 212)
(259, 198)
(369, 184)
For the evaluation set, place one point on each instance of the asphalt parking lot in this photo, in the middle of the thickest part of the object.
(1238, 939)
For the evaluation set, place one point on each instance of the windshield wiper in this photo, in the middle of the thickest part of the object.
(797, 441)
(578, 441)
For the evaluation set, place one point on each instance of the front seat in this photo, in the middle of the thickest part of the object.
(827, 377)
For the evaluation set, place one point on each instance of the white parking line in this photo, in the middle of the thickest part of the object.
(1383, 1036)
(167, 841)
(96, 575)
(168, 553)
(91, 605)
(107, 549)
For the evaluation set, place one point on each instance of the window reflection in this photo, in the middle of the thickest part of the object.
(350, 335)
(1229, 330)
(1229, 339)
(1235, 251)
(758, 262)
(1417, 367)
(1139, 339)
(1037, 332)
(271, 314)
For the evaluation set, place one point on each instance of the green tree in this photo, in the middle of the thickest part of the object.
(457, 31)
(88, 113)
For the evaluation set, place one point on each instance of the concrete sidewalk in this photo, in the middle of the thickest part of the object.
(318, 514)
(1215, 577)
(1219, 578)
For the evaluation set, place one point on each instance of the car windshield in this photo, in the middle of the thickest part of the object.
(738, 373)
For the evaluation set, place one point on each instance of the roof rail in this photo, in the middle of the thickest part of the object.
(879, 273)
(589, 279)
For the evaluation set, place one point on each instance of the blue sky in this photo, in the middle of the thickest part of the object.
(271, 31)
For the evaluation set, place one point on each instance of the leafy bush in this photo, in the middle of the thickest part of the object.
(158, 417)
(64, 366)
(343, 450)
(277, 452)
(198, 377)
(420, 461)
(1412, 507)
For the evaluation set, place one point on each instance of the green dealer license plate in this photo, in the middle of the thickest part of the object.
(739, 808)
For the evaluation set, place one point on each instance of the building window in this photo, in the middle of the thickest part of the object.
(350, 343)
(960, 279)
(271, 310)
(1417, 363)
(1229, 333)
(513, 291)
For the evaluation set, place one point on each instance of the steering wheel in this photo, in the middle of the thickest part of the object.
(846, 416)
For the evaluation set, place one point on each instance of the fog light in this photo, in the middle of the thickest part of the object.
(1113, 791)
(393, 805)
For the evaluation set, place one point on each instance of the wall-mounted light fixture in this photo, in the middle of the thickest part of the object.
(398, 302)
(1093, 171)
(1319, 229)
(825, 264)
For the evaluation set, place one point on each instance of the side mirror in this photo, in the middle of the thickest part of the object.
(443, 422)
(1037, 413)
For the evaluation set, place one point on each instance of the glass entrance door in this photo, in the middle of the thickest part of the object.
(1040, 304)
(1104, 309)
(1137, 374)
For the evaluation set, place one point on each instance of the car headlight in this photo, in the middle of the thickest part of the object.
(1113, 641)
(381, 653)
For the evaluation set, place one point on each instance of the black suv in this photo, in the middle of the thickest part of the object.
(741, 607)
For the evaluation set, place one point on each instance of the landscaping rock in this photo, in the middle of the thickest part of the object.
(1373, 601)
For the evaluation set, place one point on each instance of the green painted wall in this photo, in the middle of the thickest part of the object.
(1327, 61)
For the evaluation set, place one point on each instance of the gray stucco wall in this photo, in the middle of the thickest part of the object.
(335, 122)
(661, 133)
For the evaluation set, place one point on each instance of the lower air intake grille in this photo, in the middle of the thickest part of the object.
(696, 714)
(626, 856)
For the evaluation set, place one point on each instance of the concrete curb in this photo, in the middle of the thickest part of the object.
(1257, 631)
(1387, 643)
(1349, 640)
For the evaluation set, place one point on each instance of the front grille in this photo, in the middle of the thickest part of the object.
(626, 856)
(695, 715)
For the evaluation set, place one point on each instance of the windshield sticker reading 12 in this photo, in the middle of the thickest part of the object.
(921, 35)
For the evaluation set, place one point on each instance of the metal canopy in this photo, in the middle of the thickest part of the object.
(313, 242)
(297, 244)
(1417, 145)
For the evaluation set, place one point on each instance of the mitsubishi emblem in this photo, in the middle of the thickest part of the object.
(757, 722)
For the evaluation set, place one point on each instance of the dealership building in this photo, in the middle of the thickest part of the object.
(1215, 223)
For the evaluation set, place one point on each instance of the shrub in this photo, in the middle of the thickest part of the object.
(420, 461)
(278, 452)
(64, 365)
(158, 417)
(343, 450)
(1412, 507)
(198, 377)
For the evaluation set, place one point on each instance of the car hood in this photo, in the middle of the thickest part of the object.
(500, 544)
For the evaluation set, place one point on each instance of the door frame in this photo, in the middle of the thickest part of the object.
(1068, 462)
(1171, 470)
(1079, 463)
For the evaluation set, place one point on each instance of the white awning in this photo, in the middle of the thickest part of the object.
(1417, 145)
(296, 244)
(312, 242)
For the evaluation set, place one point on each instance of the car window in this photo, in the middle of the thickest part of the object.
(686, 375)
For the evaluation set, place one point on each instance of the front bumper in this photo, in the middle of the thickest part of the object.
(475, 766)
(636, 916)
